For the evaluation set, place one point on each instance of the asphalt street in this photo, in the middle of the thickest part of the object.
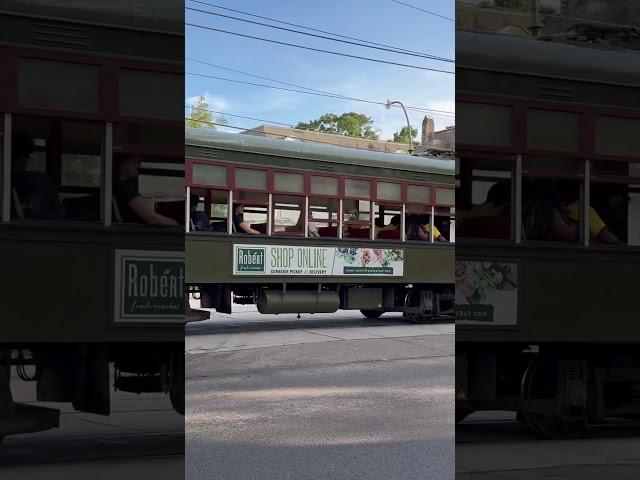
(328, 397)
(493, 445)
(143, 437)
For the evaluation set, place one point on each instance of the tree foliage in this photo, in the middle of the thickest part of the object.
(201, 117)
(403, 135)
(350, 124)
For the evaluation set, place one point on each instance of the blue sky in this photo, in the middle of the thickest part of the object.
(379, 21)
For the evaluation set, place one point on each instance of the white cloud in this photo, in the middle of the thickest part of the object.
(215, 102)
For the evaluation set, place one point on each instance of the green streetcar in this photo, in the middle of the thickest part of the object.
(548, 248)
(309, 228)
(89, 300)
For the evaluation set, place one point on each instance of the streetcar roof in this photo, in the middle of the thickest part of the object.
(158, 15)
(531, 56)
(314, 151)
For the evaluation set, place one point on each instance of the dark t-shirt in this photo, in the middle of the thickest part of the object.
(124, 191)
(37, 195)
(200, 221)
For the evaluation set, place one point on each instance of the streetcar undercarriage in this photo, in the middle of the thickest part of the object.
(420, 303)
(557, 389)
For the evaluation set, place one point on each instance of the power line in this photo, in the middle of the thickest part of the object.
(326, 93)
(423, 10)
(302, 26)
(193, 107)
(393, 50)
(447, 114)
(319, 49)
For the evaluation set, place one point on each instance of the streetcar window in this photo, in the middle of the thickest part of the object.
(445, 196)
(323, 216)
(388, 222)
(615, 198)
(553, 130)
(486, 124)
(288, 182)
(444, 222)
(418, 194)
(145, 93)
(552, 200)
(217, 208)
(617, 136)
(56, 85)
(147, 136)
(357, 188)
(324, 186)
(251, 179)
(288, 215)
(389, 191)
(209, 174)
(356, 218)
(255, 205)
(483, 199)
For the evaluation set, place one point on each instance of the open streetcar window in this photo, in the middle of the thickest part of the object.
(323, 216)
(288, 215)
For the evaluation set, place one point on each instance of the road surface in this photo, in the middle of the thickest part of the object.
(493, 445)
(330, 397)
(143, 438)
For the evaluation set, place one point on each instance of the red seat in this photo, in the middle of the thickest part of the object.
(261, 227)
(389, 235)
(328, 231)
(359, 233)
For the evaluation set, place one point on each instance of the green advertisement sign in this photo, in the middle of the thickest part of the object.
(304, 260)
(149, 286)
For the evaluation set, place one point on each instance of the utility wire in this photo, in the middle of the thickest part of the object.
(319, 49)
(421, 55)
(193, 107)
(423, 10)
(448, 114)
(331, 94)
(306, 28)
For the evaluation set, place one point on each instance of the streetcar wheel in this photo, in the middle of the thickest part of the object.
(372, 314)
(176, 391)
(418, 317)
(540, 381)
(176, 395)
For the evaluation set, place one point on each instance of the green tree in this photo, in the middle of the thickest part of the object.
(201, 117)
(349, 124)
(403, 135)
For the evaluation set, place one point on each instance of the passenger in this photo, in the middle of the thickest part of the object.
(394, 224)
(133, 208)
(35, 190)
(417, 230)
(199, 220)
(238, 221)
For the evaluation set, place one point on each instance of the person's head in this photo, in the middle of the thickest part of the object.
(129, 167)
(395, 221)
(238, 208)
(22, 147)
(499, 193)
(194, 200)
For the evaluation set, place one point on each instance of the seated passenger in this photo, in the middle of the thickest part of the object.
(239, 224)
(133, 208)
(394, 224)
(417, 230)
(35, 190)
(199, 220)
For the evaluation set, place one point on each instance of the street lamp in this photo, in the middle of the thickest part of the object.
(395, 102)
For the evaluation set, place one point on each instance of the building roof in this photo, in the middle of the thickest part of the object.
(315, 151)
(328, 138)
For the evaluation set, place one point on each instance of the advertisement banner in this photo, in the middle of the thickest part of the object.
(486, 293)
(149, 287)
(296, 260)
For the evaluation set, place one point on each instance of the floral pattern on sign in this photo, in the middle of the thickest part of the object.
(369, 257)
(475, 279)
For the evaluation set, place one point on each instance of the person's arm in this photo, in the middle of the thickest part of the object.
(246, 228)
(146, 210)
(607, 236)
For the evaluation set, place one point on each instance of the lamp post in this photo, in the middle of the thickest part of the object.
(395, 102)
